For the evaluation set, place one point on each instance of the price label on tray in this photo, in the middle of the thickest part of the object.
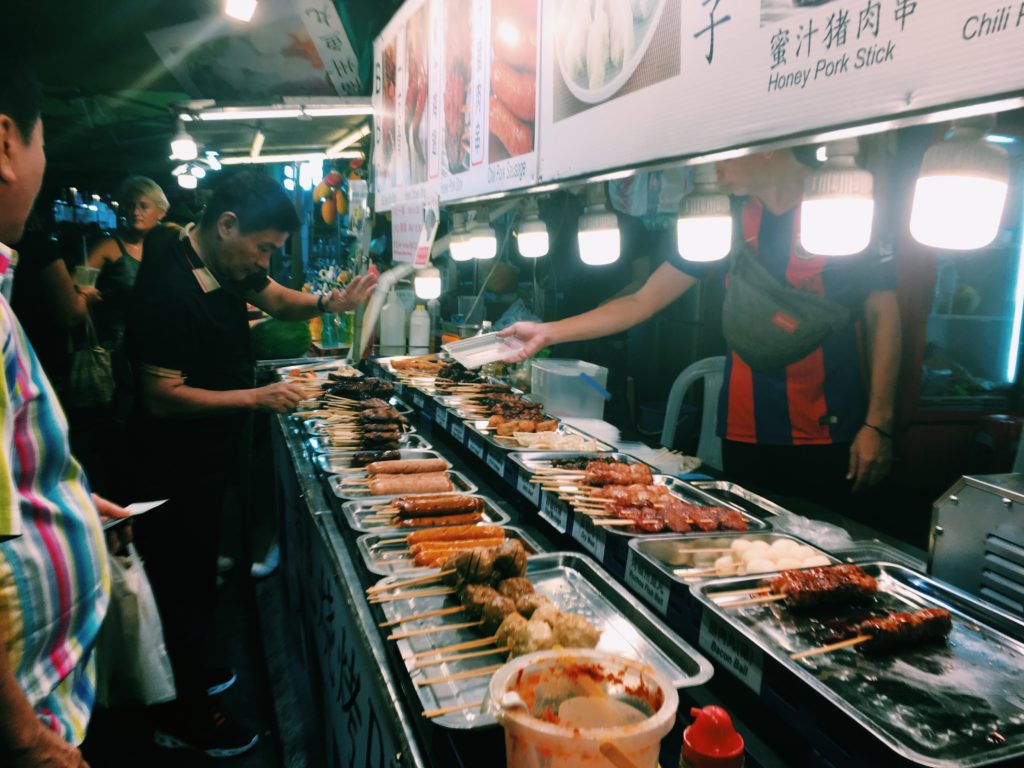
(591, 538)
(646, 582)
(555, 512)
(418, 400)
(726, 646)
(528, 489)
(476, 448)
(441, 417)
(496, 462)
(458, 430)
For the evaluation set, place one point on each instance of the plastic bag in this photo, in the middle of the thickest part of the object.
(826, 536)
(131, 659)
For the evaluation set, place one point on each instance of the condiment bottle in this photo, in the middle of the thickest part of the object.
(711, 741)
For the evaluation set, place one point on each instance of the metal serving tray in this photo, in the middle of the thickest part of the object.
(531, 461)
(378, 550)
(350, 492)
(335, 463)
(321, 368)
(355, 512)
(740, 498)
(575, 584)
(479, 426)
(958, 704)
(317, 427)
(411, 441)
(394, 401)
(670, 552)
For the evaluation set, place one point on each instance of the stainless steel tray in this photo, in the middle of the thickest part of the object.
(479, 426)
(739, 497)
(394, 401)
(957, 704)
(575, 584)
(873, 550)
(687, 493)
(317, 427)
(341, 461)
(378, 551)
(350, 492)
(356, 512)
(673, 554)
(531, 461)
(321, 368)
(410, 441)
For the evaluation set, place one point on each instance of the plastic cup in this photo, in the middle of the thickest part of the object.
(545, 679)
(86, 276)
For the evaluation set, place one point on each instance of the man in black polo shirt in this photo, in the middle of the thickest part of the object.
(188, 341)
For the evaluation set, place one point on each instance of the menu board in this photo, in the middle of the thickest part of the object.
(644, 80)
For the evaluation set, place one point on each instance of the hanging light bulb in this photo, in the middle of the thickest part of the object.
(198, 171)
(188, 181)
(427, 283)
(704, 226)
(183, 146)
(961, 190)
(242, 10)
(482, 241)
(458, 239)
(598, 235)
(532, 235)
(839, 205)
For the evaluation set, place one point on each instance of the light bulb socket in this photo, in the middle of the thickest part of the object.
(966, 157)
(832, 181)
(703, 204)
(596, 218)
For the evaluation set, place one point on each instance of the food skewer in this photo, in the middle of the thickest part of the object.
(431, 713)
(378, 588)
(434, 630)
(812, 587)
(460, 657)
(411, 595)
(896, 631)
(419, 616)
(464, 646)
(469, 675)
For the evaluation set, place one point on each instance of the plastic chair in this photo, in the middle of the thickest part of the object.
(709, 446)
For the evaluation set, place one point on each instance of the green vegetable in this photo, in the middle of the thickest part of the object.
(274, 339)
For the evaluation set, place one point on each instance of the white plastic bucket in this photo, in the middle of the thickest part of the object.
(558, 384)
(546, 678)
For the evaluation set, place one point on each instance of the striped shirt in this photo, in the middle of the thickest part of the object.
(54, 583)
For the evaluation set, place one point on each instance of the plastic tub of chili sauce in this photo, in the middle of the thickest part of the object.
(574, 708)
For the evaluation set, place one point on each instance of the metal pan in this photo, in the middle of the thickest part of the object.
(317, 427)
(952, 704)
(356, 512)
(479, 426)
(574, 583)
(409, 441)
(378, 551)
(394, 401)
(531, 461)
(321, 368)
(350, 492)
(341, 461)
(740, 497)
(683, 558)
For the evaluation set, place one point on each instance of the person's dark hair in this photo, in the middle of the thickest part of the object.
(257, 200)
(21, 97)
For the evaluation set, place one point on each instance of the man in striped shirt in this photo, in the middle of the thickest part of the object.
(54, 584)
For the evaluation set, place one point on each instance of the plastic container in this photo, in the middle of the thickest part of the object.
(559, 385)
(86, 276)
(711, 741)
(392, 327)
(480, 350)
(419, 331)
(544, 680)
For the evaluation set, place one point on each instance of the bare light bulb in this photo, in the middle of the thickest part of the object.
(427, 283)
(838, 208)
(704, 226)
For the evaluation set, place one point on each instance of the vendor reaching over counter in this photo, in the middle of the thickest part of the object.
(188, 341)
(814, 421)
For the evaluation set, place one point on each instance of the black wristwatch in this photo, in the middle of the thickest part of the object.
(320, 303)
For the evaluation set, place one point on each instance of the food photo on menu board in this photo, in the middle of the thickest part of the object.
(457, 81)
(416, 37)
(606, 49)
(513, 105)
(777, 10)
(389, 87)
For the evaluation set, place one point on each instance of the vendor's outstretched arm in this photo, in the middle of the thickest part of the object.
(871, 451)
(665, 285)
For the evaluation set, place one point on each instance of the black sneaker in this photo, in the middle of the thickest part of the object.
(214, 735)
(219, 679)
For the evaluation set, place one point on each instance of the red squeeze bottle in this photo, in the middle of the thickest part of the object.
(711, 741)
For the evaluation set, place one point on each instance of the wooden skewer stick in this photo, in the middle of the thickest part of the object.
(434, 630)
(693, 573)
(411, 595)
(461, 675)
(453, 708)
(466, 646)
(408, 582)
(557, 471)
(608, 522)
(459, 657)
(426, 615)
(755, 601)
(734, 592)
(853, 641)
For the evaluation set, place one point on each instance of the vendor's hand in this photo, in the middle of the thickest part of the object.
(355, 293)
(534, 336)
(120, 537)
(89, 293)
(279, 397)
(870, 459)
(47, 750)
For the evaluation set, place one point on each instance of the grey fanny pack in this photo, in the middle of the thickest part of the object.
(771, 325)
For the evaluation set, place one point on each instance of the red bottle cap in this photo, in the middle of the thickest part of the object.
(711, 741)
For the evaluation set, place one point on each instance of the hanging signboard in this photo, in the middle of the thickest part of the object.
(631, 81)
(332, 45)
